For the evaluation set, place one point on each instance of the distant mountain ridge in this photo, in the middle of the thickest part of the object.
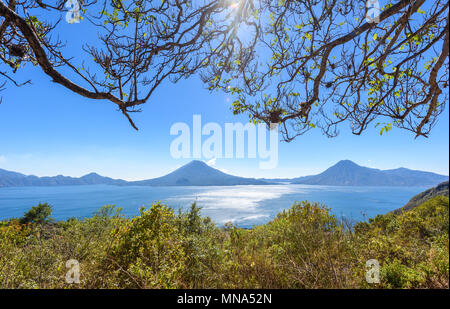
(195, 173)
(348, 173)
(198, 173)
(13, 179)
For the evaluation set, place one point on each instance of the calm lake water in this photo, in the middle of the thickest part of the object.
(243, 205)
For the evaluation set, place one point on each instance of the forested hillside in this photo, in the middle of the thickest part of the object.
(440, 190)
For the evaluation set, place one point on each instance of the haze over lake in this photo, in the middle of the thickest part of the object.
(243, 205)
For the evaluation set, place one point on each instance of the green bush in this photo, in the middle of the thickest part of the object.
(38, 214)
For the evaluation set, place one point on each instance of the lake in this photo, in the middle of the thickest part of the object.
(243, 205)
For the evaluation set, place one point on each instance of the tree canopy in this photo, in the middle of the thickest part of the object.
(299, 63)
(37, 214)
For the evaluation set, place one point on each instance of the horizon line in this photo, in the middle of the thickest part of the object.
(214, 167)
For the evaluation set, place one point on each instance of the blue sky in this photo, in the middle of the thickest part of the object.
(47, 130)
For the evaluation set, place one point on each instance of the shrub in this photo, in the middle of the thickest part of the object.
(303, 247)
(38, 214)
(148, 250)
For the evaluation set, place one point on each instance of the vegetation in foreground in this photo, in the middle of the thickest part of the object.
(303, 247)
